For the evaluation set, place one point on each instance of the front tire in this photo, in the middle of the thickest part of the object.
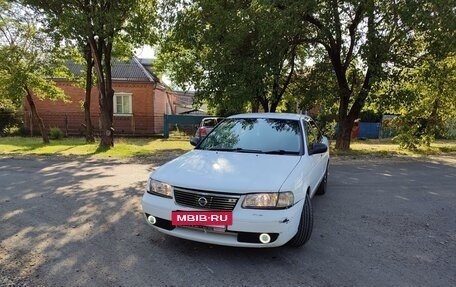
(305, 225)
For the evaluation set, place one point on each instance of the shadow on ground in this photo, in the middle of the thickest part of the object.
(79, 223)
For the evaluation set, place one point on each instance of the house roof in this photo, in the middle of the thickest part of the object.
(132, 70)
(185, 98)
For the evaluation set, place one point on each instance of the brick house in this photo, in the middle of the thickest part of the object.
(140, 103)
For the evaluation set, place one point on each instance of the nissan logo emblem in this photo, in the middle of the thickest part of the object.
(202, 201)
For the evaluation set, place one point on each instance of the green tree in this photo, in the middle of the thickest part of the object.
(82, 55)
(234, 50)
(314, 90)
(424, 100)
(28, 58)
(230, 52)
(359, 38)
(101, 24)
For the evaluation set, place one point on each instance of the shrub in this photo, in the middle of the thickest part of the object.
(12, 131)
(55, 134)
(10, 118)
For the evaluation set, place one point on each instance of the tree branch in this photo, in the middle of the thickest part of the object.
(352, 29)
(287, 81)
(362, 95)
(316, 40)
(317, 23)
(337, 25)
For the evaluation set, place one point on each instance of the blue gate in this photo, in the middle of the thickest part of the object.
(180, 120)
(369, 130)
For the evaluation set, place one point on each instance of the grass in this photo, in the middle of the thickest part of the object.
(123, 147)
(386, 147)
(141, 147)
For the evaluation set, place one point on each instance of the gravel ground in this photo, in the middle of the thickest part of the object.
(78, 222)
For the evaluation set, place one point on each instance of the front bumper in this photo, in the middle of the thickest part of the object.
(247, 223)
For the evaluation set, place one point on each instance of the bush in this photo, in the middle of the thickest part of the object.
(10, 118)
(55, 134)
(414, 130)
(12, 131)
(370, 116)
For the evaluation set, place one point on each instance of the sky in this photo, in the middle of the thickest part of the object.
(146, 52)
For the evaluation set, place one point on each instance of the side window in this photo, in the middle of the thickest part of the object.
(311, 139)
(316, 131)
(313, 134)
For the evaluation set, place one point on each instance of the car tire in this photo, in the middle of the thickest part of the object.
(305, 225)
(324, 181)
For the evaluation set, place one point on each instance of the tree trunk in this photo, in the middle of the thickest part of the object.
(107, 138)
(255, 105)
(273, 107)
(101, 53)
(264, 103)
(107, 131)
(343, 138)
(87, 101)
(35, 115)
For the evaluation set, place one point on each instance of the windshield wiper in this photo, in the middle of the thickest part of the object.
(248, 150)
(281, 151)
(236, 150)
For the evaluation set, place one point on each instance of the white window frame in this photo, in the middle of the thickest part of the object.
(124, 96)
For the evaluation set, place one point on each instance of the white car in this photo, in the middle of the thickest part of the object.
(249, 183)
(206, 126)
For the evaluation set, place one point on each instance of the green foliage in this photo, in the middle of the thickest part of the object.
(108, 29)
(424, 100)
(27, 56)
(10, 118)
(229, 52)
(55, 134)
(370, 116)
(410, 133)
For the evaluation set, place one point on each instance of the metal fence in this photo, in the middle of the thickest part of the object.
(73, 124)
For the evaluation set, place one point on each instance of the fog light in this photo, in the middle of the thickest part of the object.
(152, 220)
(265, 238)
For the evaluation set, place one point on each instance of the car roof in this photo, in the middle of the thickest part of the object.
(284, 116)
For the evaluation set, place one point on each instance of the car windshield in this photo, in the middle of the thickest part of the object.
(272, 136)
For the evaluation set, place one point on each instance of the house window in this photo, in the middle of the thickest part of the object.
(122, 104)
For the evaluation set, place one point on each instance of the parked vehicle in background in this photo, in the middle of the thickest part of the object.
(206, 126)
(248, 183)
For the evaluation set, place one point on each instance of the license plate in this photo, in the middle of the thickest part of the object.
(202, 218)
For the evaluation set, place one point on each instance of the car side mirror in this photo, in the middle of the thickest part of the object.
(318, 148)
(194, 141)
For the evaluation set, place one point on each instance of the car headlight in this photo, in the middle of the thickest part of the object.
(268, 200)
(160, 188)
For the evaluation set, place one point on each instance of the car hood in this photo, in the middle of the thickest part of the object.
(231, 172)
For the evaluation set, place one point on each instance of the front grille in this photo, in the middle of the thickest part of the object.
(197, 198)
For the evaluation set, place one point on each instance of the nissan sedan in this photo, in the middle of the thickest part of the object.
(248, 183)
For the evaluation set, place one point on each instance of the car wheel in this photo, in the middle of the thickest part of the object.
(305, 225)
(322, 186)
